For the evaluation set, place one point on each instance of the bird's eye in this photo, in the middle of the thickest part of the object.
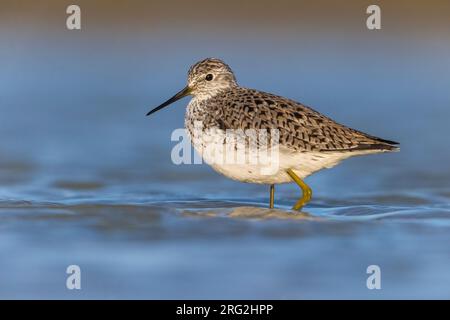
(209, 77)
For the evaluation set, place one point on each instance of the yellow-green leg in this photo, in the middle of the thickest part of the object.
(307, 192)
(272, 196)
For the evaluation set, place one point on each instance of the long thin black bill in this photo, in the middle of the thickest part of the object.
(183, 93)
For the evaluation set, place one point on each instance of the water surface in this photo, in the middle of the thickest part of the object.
(87, 179)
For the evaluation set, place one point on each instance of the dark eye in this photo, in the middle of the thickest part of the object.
(209, 77)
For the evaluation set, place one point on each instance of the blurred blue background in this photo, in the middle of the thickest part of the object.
(87, 179)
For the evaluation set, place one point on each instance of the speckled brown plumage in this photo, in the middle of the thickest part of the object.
(301, 128)
(301, 140)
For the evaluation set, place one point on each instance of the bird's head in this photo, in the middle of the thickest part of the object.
(206, 79)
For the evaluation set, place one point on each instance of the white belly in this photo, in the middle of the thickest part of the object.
(266, 166)
(303, 164)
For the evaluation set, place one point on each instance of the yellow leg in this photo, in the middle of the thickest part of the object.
(272, 195)
(307, 192)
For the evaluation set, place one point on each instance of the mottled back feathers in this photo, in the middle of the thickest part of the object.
(300, 127)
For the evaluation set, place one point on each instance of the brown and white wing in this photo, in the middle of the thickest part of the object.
(300, 127)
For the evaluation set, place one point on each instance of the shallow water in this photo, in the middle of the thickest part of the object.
(212, 249)
(87, 179)
(146, 242)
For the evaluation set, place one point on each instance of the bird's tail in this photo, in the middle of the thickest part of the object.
(382, 147)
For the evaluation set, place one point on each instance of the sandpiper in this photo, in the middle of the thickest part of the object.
(307, 140)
